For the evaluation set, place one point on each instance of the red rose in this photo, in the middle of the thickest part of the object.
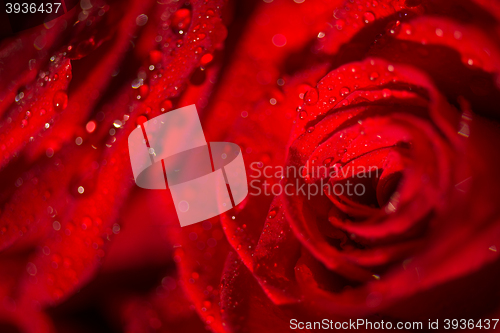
(369, 130)
(398, 101)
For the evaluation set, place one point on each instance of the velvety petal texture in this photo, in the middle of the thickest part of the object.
(369, 131)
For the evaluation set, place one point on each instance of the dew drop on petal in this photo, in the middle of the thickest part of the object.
(368, 17)
(339, 24)
(90, 127)
(210, 13)
(141, 120)
(279, 40)
(374, 76)
(311, 96)
(273, 212)
(181, 19)
(82, 49)
(206, 59)
(166, 105)
(407, 28)
(471, 61)
(393, 28)
(155, 56)
(143, 91)
(458, 35)
(344, 91)
(31, 269)
(141, 20)
(60, 100)
(183, 206)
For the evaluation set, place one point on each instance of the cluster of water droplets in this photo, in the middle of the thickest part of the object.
(181, 35)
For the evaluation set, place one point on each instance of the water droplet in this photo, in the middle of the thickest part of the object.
(31, 269)
(56, 225)
(272, 213)
(143, 91)
(166, 105)
(393, 28)
(368, 17)
(311, 96)
(344, 91)
(332, 100)
(327, 161)
(90, 127)
(181, 20)
(374, 76)
(471, 61)
(82, 49)
(206, 59)
(60, 100)
(183, 206)
(155, 56)
(210, 13)
(279, 40)
(141, 120)
(302, 114)
(310, 129)
(339, 24)
(407, 28)
(141, 20)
